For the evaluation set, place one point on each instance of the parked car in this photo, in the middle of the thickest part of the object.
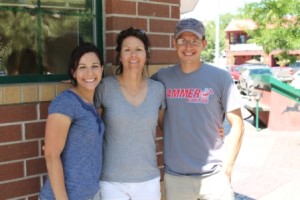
(247, 77)
(2, 73)
(296, 80)
(235, 72)
(295, 66)
(283, 73)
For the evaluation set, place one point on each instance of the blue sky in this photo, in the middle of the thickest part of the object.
(208, 9)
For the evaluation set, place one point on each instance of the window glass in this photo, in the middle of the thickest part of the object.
(68, 4)
(20, 3)
(37, 36)
(59, 42)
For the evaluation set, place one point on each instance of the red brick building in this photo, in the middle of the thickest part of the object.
(238, 49)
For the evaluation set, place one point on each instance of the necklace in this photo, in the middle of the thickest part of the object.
(133, 91)
(135, 94)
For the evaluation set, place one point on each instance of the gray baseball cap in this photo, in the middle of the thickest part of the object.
(190, 25)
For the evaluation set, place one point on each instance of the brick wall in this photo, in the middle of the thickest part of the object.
(23, 107)
(23, 112)
(157, 18)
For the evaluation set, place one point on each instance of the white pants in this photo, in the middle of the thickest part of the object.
(213, 187)
(96, 197)
(149, 190)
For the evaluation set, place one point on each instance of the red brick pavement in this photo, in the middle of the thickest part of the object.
(268, 165)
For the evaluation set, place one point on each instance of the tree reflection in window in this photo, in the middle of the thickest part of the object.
(37, 37)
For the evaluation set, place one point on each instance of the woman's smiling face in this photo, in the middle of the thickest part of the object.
(89, 71)
(133, 54)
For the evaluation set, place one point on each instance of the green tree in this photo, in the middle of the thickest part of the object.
(278, 25)
(208, 54)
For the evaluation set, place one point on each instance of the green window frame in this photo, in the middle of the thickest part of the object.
(36, 25)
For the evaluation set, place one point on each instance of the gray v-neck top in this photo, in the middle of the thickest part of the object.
(129, 139)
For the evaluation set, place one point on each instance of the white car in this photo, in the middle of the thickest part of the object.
(296, 80)
(246, 78)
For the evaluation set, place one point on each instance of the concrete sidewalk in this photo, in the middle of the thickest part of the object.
(268, 165)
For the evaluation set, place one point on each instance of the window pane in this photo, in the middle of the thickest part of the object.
(20, 3)
(39, 40)
(18, 42)
(63, 34)
(83, 5)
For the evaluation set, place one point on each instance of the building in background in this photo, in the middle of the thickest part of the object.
(239, 50)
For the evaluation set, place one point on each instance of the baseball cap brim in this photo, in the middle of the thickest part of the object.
(188, 30)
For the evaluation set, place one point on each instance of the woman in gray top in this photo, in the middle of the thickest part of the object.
(132, 107)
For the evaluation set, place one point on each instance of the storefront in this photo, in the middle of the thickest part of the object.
(36, 38)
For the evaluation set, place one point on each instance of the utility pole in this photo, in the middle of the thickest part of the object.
(217, 38)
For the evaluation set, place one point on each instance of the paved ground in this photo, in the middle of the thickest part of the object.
(268, 166)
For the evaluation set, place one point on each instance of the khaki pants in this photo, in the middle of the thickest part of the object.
(213, 187)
